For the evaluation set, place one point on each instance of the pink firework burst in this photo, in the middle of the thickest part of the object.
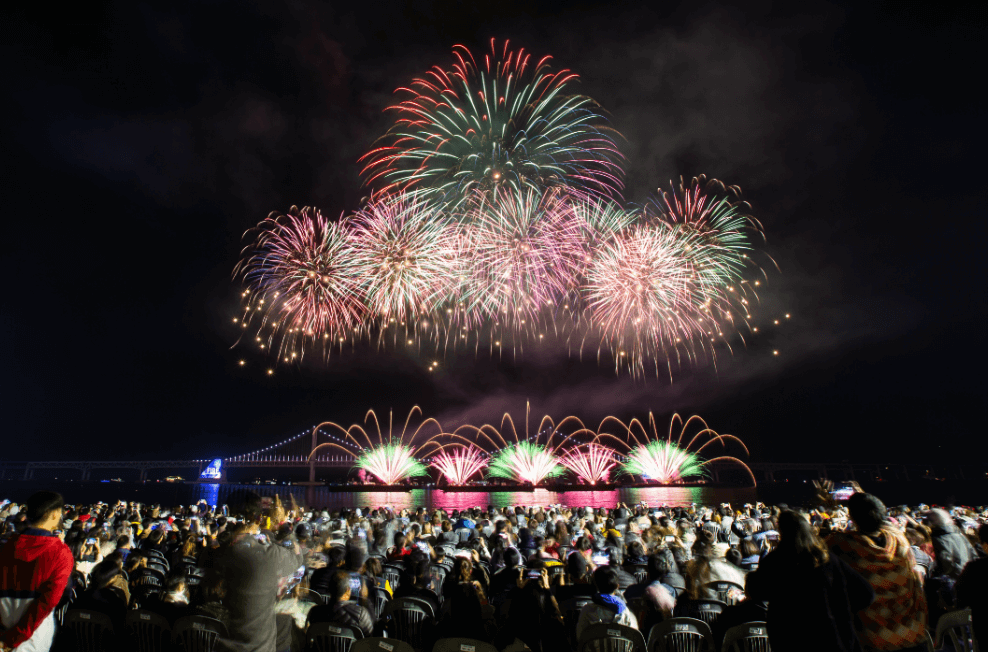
(459, 464)
(525, 251)
(592, 465)
(300, 280)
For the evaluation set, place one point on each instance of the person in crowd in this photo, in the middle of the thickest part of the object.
(124, 546)
(340, 608)
(465, 601)
(35, 566)
(252, 571)
(534, 620)
(810, 590)
(953, 550)
(897, 619)
(173, 603)
(607, 606)
(972, 590)
(754, 608)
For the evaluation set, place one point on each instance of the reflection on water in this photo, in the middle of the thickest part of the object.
(330, 499)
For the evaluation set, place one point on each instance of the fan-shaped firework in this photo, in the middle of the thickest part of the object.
(390, 457)
(300, 278)
(459, 464)
(524, 462)
(524, 247)
(592, 465)
(663, 462)
(405, 256)
(391, 463)
(504, 119)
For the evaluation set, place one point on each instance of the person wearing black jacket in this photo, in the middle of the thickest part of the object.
(340, 610)
(812, 595)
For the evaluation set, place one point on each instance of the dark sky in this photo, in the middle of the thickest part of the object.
(142, 141)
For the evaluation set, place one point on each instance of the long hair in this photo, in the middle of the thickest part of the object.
(797, 538)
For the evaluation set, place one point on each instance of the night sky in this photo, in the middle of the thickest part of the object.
(142, 141)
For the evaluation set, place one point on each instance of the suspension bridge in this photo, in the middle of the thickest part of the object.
(296, 453)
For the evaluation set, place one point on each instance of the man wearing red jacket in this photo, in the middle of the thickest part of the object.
(35, 566)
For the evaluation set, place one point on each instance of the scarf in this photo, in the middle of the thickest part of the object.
(611, 602)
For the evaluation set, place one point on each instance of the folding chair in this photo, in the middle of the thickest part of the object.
(378, 644)
(640, 571)
(150, 632)
(410, 620)
(462, 645)
(571, 614)
(680, 635)
(197, 633)
(727, 592)
(956, 625)
(330, 637)
(611, 638)
(89, 631)
(747, 637)
(706, 610)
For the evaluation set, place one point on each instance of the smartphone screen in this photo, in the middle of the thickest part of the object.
(600, 559)
(533, 574)
(90, 541)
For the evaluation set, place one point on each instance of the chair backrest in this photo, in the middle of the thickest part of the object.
(727, 592)
(462, 645)
(90, 631)
(158, 565)
(611, 638)
(956, 625)
(377, 644)
(571, 614)
(198, 633)
(554, 570)
(747, 637)
(392, 574)
(156, 554)
(438, 571)
(147, 581)
(190, 561)
(410, 618)
(330, 637)
(640, 571)
(154, 571)
(149, 631)
(706, 610)
(680, 635)
(378, 597)
(308, 595)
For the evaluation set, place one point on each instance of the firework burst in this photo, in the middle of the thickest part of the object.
(405, 256)
(637, 293)
(662, 462)
(592, 465)
(524, 247)
(390, 456)
(666, 460)
(525, 463)
(300, 280)
(459, 464)
(501, 119)
(391, 463)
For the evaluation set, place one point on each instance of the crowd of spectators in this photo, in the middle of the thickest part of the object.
(852, 576)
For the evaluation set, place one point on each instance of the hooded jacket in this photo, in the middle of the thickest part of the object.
(35, 567)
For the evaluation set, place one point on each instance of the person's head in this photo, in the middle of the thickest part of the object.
(248, 505)
(576, 567)
(797, 538)
(399, 540)
(44, 509)
(335, 557)
(175, 589)
(983, 536)
(123, 542)
(605, 579)
(867, 512)
(447, 526)
(339, 587)
(512, 558)
(356, 558)
(754, 587)
(463, 569)
(583, 544)
(658, 567)
(734, 557)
